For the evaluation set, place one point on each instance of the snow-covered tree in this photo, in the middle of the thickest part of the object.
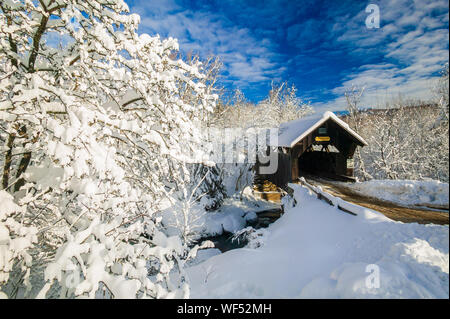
(353, 97)
(243, 119)
(408, 138)
(405, 141)
(282, 105)
(442, 93)
(94, 133)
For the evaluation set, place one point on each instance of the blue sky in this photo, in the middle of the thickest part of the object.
(322, 47)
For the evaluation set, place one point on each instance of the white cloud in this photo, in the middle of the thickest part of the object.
(411, 45)
(412, 58)
(246, 59)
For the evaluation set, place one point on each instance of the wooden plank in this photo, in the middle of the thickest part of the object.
(294, 164)
(325, 198)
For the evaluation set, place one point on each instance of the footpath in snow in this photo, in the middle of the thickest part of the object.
(317, 251)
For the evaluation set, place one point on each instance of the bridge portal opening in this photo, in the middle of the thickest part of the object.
(326, 163)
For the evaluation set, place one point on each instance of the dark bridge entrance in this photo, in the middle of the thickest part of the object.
(318, 162)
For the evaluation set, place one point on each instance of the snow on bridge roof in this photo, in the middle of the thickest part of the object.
(294, 131)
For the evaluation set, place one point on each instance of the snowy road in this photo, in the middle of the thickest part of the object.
(390, 209)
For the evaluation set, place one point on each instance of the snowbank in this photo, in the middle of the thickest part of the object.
(405, 192)
(204, 254)
(234, 214)
(317, 251)
(231, 217)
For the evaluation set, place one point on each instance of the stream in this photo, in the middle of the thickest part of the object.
(224, 241)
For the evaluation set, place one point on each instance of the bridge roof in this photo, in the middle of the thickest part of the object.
(290, 133)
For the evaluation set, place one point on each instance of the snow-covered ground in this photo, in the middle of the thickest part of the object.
(317, 251)
(405, 192)
(231, 217)
(234, 213)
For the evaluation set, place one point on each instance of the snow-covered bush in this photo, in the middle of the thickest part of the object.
(441, 91)
(281, 105)
(95, 134)
(253, 238)
(407, 139)
(240, 121)
(404, 142)
(118, 259)
(211, 190)
(15, 240)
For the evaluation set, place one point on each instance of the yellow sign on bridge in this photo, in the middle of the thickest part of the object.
(322, 138)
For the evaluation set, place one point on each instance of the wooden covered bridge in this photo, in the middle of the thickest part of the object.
(321, 145)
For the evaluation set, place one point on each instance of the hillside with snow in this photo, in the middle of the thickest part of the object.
(317, 251)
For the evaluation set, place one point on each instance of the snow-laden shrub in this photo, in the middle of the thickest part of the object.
(239, 121)
(211, 191)
(15, 240)
(237, 176)
(101, 256)
(404, 143)
(407, 139)
(253, 238)
(95, 131)
(281, 105)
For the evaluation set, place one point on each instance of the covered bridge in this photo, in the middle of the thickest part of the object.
(321, 145)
